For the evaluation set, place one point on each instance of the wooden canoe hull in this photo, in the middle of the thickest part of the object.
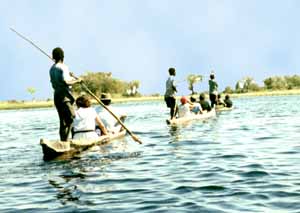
(220, 109)
(53, 149)
(198, 117)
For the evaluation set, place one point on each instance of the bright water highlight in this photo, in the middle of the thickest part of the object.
(244, 160)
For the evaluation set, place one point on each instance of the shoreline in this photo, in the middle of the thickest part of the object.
(8, 105)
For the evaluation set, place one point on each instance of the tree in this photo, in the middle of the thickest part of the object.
(239, 86)
(192, 80)
(247, 84)
(133, 88)
(228, 90)
(31, 91)
(276, 83)
(99, 82)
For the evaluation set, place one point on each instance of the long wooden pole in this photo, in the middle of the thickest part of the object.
(134, 137)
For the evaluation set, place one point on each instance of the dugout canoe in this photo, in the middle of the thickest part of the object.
(53, 149)
(197, 117)
(222, 108)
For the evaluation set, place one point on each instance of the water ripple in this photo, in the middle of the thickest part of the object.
(245, 160)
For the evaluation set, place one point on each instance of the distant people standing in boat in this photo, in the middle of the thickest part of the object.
(170, 94)
(61, 81)
(213, 90)
(184, 109)
(204, 104)
(220, 101)
(227, 101)
(86, 119)
(110, 123)
(196, 107)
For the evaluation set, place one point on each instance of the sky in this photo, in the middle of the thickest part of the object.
(141, 39)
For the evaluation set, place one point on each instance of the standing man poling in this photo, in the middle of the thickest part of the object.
(170, 94)
(61, 81)
(213, 90)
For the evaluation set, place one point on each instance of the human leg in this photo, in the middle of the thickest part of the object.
(213, 100)
(68, 117)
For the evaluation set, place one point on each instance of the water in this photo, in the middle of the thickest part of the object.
(245, 160)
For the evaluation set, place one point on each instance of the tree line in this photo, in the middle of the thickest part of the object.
(104, 82)
(248, 84)
(99, 82)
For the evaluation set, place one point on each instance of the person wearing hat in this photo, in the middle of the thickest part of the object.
(85, 120)
(213, 90)
(61, 80)
(110, 123)
(184, 108)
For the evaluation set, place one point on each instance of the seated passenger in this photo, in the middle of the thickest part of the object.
(220, 101)
(184, 108)
(85, 120)
(204, 104)
(110, 123)
(196, 107)
(227, 101)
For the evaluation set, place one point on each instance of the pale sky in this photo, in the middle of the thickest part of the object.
(141, 39)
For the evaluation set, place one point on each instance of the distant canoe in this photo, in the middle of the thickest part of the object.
(222, 108)
(198, 117)
(53, 149)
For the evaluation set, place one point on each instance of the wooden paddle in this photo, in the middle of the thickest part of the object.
(134, 137)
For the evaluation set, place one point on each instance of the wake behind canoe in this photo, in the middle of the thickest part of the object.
(198, 117)
(53, 149)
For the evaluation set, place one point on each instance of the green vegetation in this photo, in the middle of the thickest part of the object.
(273, 83)
(192, 79)
(13, 104)
(31, 91)
(123, 91)
(99, 82)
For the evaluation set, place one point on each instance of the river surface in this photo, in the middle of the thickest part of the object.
(244, 160)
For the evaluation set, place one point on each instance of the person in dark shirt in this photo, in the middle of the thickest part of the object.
(61, 79)
(227, 101)
(220, 101)
(213, 90)
(204, 104)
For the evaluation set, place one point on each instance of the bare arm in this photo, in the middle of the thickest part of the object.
(71, 82)
(72, 79)
(101, 125)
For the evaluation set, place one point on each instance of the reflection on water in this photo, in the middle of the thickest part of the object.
(244, 160)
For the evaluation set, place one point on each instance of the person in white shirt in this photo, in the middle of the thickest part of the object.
(85, 120)
(110, 123)
(195, 107)
(184, 108)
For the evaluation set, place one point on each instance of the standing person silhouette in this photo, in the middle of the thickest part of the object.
(213, 90)
(170, 94)
(61, 81)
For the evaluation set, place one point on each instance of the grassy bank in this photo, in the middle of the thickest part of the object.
(9, 105)
(267, 93)
(45, 104)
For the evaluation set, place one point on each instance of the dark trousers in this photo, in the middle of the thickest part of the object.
(171, 103)
(66, 115)
(213, 100)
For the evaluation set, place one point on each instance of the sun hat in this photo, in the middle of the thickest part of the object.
(105, 97)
